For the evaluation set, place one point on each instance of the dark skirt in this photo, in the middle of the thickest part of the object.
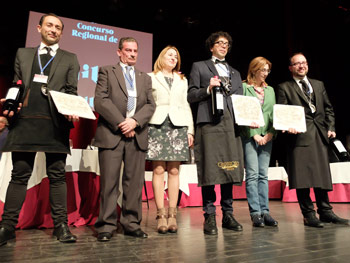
(309, 166)
(167, 142)
(218, 153)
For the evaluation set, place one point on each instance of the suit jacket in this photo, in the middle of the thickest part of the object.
(110, 102)
(63, 77)
(267, 110)
(201, 73)
(172, 102)
(322, 120)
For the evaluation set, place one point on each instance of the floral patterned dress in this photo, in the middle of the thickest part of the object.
(167, 142)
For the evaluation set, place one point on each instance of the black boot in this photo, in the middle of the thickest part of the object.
(6, 235)
(210, 225)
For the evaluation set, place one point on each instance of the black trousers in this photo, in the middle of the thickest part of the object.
(306, 205)
(209, 198)
(23, 163)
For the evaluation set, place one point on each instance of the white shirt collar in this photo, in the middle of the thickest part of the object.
(53, 47)
(124, 65)
(298, 80)
(213, 58)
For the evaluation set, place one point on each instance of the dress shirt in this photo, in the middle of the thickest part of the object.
(221, 68)
(43, 50)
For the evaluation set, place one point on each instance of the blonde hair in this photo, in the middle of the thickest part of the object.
(4, 120)
(256, 64)
(159, 64)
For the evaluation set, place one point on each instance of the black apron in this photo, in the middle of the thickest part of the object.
(34, 129)
(218, 153)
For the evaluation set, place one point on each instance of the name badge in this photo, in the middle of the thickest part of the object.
(40, 78)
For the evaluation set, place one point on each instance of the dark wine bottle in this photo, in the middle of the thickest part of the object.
(217, 102)
(13, 97)
(339, 150)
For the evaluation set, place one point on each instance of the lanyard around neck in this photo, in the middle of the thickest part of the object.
(41, 67)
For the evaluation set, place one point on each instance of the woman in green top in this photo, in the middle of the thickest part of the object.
(257, 143)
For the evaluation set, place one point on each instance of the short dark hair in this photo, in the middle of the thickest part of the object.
(294, 54)
(210, 42)
(50, 14)
(126, 39)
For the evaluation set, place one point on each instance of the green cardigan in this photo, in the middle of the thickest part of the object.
(267, 109)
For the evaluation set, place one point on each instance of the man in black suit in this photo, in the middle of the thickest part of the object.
(218, 148)
(308, 162)
(39, 127)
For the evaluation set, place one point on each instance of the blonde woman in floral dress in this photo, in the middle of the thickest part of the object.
(170, 133)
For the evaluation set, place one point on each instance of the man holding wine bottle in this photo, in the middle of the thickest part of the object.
(307, 156)
(36, 126)
(218, 148)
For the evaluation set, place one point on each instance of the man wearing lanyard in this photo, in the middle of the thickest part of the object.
(38, 127)
(218, 148)
(307, 156)
(124, 101)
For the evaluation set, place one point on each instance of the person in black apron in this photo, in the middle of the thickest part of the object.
(307, 156)
(38, 127)
(218, 147)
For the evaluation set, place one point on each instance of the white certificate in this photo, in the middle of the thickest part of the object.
(68, 104)
(289, 116)
(247, 110)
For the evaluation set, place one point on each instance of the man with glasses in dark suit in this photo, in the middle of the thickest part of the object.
(307, 153)
(218, 147)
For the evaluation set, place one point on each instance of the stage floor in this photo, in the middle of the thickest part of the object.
(290, 242)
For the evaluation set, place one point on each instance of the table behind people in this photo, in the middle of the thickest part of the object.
(83, 188)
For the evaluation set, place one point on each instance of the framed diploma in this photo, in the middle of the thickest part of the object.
(289, 116)
(68, 104)
(247, 110)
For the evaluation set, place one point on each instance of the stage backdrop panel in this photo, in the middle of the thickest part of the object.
(95, 45)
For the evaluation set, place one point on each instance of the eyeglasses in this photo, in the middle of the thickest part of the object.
(298, 64)
(264, 70)
(222, 43)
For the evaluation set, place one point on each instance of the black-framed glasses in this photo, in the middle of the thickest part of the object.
(303, 63)
(222, 43)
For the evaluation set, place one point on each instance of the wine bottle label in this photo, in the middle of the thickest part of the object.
(340, 146)
(12, 93)
(219, 101)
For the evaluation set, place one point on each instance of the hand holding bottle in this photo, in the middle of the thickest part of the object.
(214, 82)
(11, 104)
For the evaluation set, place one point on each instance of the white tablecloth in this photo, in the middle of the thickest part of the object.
(87, 161)
(79, 160)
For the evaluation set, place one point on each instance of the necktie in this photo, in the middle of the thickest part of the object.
(48, 52)
(130, 88)
(305, 89)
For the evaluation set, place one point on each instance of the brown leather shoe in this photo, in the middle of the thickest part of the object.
(162, 227)
(172, 225)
